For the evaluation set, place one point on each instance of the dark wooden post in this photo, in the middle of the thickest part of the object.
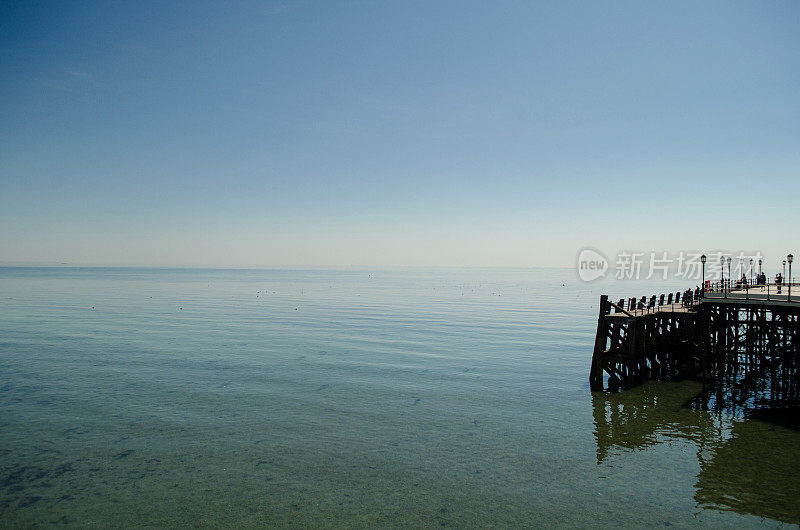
(596, 374)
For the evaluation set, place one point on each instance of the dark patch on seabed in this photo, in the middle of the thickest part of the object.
(124, 454)
(20, 483)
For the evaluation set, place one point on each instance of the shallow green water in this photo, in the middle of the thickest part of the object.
(351, 399)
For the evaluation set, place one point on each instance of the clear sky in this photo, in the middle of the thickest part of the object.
(347, 134)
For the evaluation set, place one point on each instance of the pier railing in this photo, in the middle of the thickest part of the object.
(687, 300)
(677, 301)
(745, 289)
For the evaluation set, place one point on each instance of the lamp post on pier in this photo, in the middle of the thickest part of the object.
(729, 273)
(759, 266)
(751, 270)
(790, 258)
(703, 288)
(722, 270)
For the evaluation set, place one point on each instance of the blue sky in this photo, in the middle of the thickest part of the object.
(348, 134)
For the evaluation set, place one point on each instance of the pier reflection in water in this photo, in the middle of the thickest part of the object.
(746, 465)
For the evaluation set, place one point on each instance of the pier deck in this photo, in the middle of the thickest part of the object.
(746, 341)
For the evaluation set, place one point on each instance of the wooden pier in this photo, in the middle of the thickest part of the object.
(745, 342)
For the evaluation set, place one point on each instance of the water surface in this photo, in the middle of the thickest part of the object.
(146, 397)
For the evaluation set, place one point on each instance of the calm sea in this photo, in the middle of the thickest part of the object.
(423, 398)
